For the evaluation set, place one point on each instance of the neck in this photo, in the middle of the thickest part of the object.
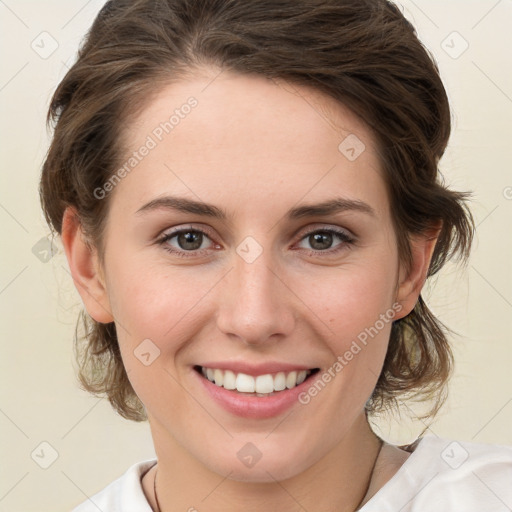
(339, 481)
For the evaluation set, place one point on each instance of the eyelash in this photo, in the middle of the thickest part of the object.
(346, 239)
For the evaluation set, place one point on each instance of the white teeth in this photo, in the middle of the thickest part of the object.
(301, 377)
(229, 380)
(291, 380)
(264, 384)
(280, 381)
(218, 375)
(245, 383)
(261, 385)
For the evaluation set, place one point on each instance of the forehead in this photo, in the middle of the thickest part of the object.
(247, 136)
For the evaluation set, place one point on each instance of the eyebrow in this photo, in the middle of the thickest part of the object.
(322, 209)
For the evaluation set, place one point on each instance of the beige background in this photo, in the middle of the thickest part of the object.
(40, 400)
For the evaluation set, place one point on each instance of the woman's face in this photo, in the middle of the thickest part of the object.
(252, 235)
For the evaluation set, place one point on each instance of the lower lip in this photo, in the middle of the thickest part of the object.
(250, 406)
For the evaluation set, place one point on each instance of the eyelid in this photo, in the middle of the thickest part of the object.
(327, 227)
(186, 227)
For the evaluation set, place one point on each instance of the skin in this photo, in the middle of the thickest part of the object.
(255, 149)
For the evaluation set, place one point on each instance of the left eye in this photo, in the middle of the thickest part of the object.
(322, 240)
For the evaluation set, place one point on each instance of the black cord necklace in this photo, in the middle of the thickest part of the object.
(156, 495)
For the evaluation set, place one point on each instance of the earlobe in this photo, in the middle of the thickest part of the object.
(85, 268)
(411, 282)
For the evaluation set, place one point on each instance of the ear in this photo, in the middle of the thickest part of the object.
(411, 280)
(85, 268)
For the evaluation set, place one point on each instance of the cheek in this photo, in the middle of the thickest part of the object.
(352, 298)
(154, 313)
(152, 302)
(357, 303)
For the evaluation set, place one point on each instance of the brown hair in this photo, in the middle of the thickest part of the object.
(362, 53)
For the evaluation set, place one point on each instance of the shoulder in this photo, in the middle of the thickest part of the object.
(122, 495)
(442, 475)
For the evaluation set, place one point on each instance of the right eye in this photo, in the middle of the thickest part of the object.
(186, 240)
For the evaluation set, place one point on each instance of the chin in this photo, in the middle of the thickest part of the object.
(259, 461)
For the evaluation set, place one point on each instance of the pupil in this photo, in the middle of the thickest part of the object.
(193, 238)
(321, 240)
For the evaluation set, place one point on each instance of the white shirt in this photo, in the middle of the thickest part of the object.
(440, 475)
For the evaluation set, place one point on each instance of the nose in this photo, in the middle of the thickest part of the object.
(255, 306)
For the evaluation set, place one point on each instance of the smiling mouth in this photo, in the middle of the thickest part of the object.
(261, 385)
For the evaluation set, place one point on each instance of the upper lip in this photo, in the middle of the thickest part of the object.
(256, 369)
